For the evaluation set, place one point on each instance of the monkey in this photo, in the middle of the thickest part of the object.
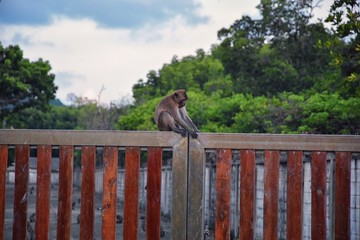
(171, 115)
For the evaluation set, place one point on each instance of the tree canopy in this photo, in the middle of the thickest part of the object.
(23, 83)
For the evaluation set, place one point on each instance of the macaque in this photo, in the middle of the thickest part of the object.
(171, 115)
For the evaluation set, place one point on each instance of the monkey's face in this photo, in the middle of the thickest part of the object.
(180, 97)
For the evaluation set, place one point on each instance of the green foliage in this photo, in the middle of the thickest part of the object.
(23, 83)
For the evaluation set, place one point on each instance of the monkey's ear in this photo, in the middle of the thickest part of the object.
(176, 95)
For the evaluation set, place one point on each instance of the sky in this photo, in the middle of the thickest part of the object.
(110, 45)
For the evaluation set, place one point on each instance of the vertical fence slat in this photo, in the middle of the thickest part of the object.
(223, 180)
(3, 167)
(109, 192)
(179, 188)
(87, 192)
(196, 205)
(294, 195)
(318, 195)
(22, 155)
(342, 195)
(153, 193)
(66, 159)
(43, 181)
(247, 193)
(131, 208)
(271, 194)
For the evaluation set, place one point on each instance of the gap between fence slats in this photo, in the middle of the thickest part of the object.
(22, 155)
(153, 189)
(294, 195)
(66, 159)
(223, 180)
(109, 193)
(43, 181)
(247, 194)
(271, 194)
(3, 167)
(342, 195)
(131, 211)
(87, 192)
(318, 195)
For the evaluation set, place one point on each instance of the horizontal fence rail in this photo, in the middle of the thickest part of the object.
(189, 158)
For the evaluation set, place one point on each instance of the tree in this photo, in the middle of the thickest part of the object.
(23, 83)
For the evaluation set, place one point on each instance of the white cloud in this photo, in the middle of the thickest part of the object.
(93, 56)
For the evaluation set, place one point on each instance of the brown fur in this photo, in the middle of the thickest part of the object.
(171, 115)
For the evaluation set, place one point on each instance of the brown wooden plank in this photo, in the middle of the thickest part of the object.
(87, 210)
(342, 195)
(131, 209)
(294, 195)
(43, 181)
(3, 167)
(271, 194)
(22, 155)
(66, 159)
(153, 193)
(179, 191)
(109, 193)
(223, 178)
(196, 190)
(247, 194)
(318, 195)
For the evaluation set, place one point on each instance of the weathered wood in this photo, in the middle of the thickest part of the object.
(179, 189)
(3, 167)
(90, 137)
(43, 182)
(153, 193)
(223, 180)
(66, 159)
(271, 194)
(294, 195)
(22, 155)
(318, 195)
(303, 142)
(131, 208)
(342, 195)
(109, 193)
(247, 194)
(196, 190)
(87, 213)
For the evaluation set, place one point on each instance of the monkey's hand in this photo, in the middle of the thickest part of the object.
(194, 135)
(183, 133)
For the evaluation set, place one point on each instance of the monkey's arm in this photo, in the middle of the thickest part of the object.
(183, 124)
(188, 120)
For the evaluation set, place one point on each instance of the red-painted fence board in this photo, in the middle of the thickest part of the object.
(247, 194)
(271, 194)
(153, 193)
(318, 195)
(22, 155)
(109, 193)
(294, 195)
(66, 159)
(131, 211)
(223, 180)
(342, 195)
(43, 181)
(3, 167)
(87, 192)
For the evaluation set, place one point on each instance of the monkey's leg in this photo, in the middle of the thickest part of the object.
(167, 123)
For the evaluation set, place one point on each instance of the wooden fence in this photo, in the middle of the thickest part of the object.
(188, 166)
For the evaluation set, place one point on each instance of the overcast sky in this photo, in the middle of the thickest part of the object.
(114, 43)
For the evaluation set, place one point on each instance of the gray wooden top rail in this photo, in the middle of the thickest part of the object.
(188, 166)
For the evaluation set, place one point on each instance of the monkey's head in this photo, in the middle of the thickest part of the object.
(180, 97)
